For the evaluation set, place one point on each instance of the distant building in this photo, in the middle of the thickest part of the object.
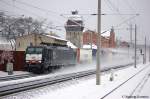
(37, 39)
(124, 44)
(112, 42)
(107, 41)
(74, 29)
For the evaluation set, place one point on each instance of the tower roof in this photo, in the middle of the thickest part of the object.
(75, 16)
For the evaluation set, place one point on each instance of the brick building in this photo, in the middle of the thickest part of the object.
(106, 41)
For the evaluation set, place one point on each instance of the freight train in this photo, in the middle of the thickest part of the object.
(40, 59)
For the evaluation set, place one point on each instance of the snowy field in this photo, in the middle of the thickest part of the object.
(86, 88)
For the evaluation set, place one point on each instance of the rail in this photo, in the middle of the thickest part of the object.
(15, 77)
(17, 87)
(122, 83)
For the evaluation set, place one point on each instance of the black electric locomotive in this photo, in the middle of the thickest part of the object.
(40, 59)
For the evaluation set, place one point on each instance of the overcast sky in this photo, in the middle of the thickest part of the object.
(85, 7)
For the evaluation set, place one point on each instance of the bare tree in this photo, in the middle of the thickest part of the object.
(12, 27)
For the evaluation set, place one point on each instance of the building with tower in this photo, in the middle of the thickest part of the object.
(74, 29)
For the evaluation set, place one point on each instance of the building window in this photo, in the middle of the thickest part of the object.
(19, 44)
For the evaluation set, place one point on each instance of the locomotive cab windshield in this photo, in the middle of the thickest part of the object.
(34, 50)
(34, 54)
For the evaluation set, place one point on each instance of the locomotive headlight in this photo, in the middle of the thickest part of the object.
(39, 61)
(27, 61)
(27, 56)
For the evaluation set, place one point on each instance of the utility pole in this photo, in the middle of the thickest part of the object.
(131, 34)
(91, 41)
(98, 43)
(145, 52)
(135, 48)
(149, 53)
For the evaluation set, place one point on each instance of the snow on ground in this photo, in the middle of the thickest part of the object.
(4, 74)
(86, 88)
(62, 71)
(146, 91)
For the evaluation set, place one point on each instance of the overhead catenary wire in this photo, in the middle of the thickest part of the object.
(118, 25)
(24, 10)
(4, 2)
(108, 5)
(104, 14)
(52, 13)
(56, 13)
(116, 9)
(19, 8)
(49, 11)
(127, 20)
(123, 22)
(42, 9)
(131, 8)
(112, 6)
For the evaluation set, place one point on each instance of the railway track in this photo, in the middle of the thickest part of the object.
(8, 89)
(137, 90)
(15, 77)
(113, 90)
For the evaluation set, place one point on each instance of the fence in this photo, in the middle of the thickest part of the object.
(17, 57)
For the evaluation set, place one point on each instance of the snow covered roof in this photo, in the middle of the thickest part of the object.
(58, 38)
(89, 46)
(69, 44)
(75, 17)
(44, 34)
(106, 34)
